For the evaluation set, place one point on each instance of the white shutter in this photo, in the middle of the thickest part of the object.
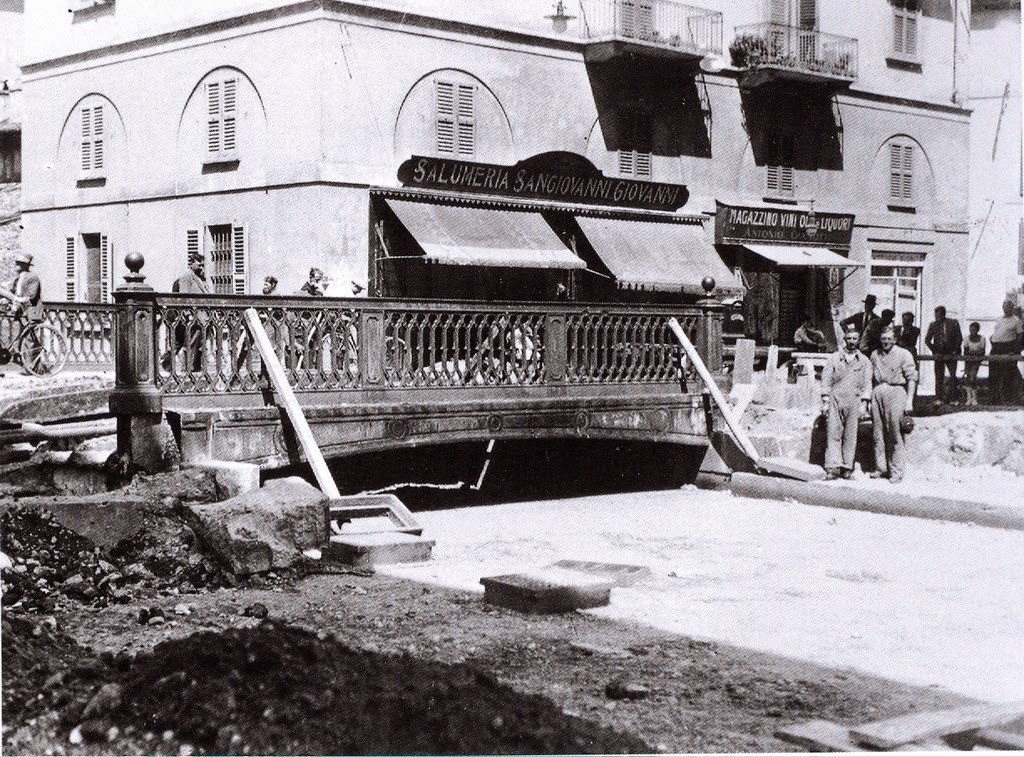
(895, 171)
(191, 244)
(213, 102)
(778, 11)
(907, 189)
(772, 179)
(445, 117)
(786, 183)
(643, 164)
(228, 113)
(898, 30)
(239, 260)
(626, 163)
(910, 48)
(86, 139)
(106, 272)
(466, 119)
(70, 268)
(97, 134)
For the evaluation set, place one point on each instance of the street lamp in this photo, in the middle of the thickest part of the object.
(559, 19)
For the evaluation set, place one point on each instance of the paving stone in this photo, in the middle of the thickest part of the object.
(548, 590)
(364, 550)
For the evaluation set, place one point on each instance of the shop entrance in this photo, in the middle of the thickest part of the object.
(898, 288)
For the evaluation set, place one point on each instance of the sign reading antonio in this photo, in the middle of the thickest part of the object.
(556, 176)
(736, 225)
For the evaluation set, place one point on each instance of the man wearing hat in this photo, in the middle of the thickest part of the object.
(895, 377)
(191, 335)
(862, 319)
(26, 290)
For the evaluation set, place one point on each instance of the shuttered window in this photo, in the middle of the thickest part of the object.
(901, 173)
(221, 122)
(92, 140)
(455, 122)
(779, 179)
(905, 17)
(635, 163)
(227, 254)
(70, 269)
(636, 18)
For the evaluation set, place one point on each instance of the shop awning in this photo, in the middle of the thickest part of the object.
(479, 236)
(790, 255)
(670, 257)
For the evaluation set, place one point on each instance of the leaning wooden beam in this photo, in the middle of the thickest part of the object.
(291, 405)
(716, 394)
(896, 732)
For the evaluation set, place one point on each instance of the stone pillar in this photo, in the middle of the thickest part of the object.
(709, 330)
(136, 399)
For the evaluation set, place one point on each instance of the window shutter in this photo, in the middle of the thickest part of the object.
(228, 113)
(445, 107)
(71, 277)
(772, 179)
(786, 183)
(808, 14)
(910, 48)
(898, 31)
(239, 260)
(906, 190)
(106, 273)
(626, 162)
(643, 164)
(97, 134)
(778, 11)
(191, 244)
(213, 143)
(466, 119)
(645, 19)
(895, 174)
(86, 139)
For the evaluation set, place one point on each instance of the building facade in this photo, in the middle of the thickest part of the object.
(184, 130)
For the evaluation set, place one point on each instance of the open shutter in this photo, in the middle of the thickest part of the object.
(445, 121)
(191, 244)
(239, 260)
(70, 269)
(213, 104)
(86, 139)
(466, 120)
(229, 102)
(106, 269)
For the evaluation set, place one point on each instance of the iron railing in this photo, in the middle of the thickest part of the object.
(88, 331)
(203, 346)
(662, 23)
(789, 47)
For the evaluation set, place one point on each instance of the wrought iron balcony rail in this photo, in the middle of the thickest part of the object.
(202, 345)
(770, 45)
(661, 23)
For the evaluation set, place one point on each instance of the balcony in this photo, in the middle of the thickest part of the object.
(658, 28)
(770, 52)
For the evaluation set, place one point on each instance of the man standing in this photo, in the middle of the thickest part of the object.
(895, 379)
(191, 337)
(861, 320)
(1007, 339)
(944, 338)
(870, 339)
(907, 334)
(845, 396)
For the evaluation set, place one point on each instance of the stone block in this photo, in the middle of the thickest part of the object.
(364, 550)
(231, 478)
(549, 590)
(265, 528)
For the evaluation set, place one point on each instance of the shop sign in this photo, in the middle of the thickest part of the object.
(736, 225)
(554, 176)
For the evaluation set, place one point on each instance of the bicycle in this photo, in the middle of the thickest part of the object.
(38, 347)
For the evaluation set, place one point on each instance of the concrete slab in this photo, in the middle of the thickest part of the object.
(819, 736)
(548, 590)
(621, 574)
(364, 550)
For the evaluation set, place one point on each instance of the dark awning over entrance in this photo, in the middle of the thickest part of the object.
(456, 235)
(793, 255)
(669, 257)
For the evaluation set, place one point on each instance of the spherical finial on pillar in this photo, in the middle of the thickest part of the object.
(134, 261)
(133, 279)
(708, 284)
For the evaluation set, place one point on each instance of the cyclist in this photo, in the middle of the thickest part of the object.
(25, 291)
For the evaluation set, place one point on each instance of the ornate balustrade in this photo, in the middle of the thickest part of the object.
(330, 345)
(666, 25)
(88, 330)
(802, 54)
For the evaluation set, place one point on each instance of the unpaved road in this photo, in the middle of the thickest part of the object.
(922, 602)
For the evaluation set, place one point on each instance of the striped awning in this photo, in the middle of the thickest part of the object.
(455, 235)
(791, 255)
(669, 257)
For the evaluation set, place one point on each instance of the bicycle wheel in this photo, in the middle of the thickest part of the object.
(43, 349)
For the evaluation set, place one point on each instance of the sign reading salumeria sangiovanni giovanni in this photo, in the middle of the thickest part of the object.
(736, 225)
(556, 176)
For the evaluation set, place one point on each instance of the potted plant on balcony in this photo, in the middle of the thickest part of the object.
(749, 51)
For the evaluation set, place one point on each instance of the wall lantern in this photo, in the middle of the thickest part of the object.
(559, 19)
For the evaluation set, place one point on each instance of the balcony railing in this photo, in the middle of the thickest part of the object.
(660, 24)
(805, 53)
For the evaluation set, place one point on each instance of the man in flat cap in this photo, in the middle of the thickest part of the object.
(895, 377)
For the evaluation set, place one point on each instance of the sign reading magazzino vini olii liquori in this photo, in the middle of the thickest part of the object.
(736, 225)
(555, 176)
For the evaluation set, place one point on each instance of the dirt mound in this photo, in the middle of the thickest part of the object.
(278, 690)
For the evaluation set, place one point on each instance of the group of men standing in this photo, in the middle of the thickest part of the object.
(880, 384)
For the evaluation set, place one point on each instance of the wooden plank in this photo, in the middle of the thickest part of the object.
(819, 736)
(897, 732)
(743, 362)
(996, 738)
(790, 468)
(291, 405)
(716, 394)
